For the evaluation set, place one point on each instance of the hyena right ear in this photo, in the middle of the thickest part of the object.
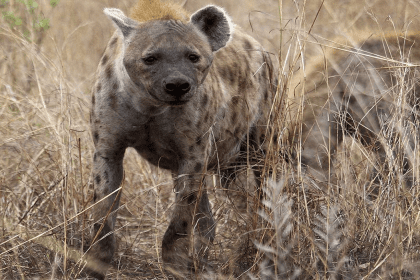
(124, 23)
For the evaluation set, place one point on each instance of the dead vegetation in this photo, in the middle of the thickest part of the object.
(360, 228)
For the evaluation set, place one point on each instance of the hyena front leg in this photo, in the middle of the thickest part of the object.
(107, 177)
(186, 242)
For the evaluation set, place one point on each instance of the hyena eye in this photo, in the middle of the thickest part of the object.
(150, 60)
(194, 58)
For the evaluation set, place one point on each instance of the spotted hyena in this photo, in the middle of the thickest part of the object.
(186, 92)
(366, 96)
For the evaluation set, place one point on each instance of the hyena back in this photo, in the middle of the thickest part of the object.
(186, 94)
(370, 94)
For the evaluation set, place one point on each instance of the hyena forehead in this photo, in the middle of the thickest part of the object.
(211, 23)
(172, 33)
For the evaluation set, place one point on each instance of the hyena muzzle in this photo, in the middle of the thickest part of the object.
(187, 95)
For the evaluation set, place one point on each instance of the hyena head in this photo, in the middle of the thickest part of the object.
(169, 59)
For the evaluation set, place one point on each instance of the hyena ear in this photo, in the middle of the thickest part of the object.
(124, 23)
(215, 24)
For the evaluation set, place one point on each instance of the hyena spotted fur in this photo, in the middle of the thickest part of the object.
(367, 95)
(187, 92)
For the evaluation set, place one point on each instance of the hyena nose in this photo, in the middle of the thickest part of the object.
(177, 87)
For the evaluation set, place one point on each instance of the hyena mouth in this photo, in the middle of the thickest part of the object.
(173, 102)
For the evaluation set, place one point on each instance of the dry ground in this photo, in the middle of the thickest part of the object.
(305, 232)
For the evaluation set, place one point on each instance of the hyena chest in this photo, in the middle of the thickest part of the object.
(168, 141)
(158, 143)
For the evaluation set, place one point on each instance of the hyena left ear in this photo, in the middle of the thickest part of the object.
(124, 23)
(215, 24)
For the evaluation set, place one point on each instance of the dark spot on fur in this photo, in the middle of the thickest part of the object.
(93, 99)
(188, 122)
(275, 137)
(205, 100)
(244, 81)
(263, 74)
(199, 124)
(113, 100)
(115, 86)
(153, 109)
(235, 100)
(235, 64)
(236, 131)
(247, 66)
(109, 71)
(104, 59)
(96, 137)
(96, 227)
(198, 167)
(266, 95)
(191, 198)
(223, 113)
(247, 45)
(191, 148)
(206, 118)
(231, 76)
(253, 135)
(98, 87)
(184, 224)
(128, 106)
(352, 99)
(227, 74)
(114, 40)
(94, 197)
(234, 117)
(106, 177)
(95, 157)
(98, 179)
(198, 140)
(224, 71)
(262, 138)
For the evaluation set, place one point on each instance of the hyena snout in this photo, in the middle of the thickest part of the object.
(176, 86)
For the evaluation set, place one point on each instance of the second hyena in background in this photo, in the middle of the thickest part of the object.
(187, 93)
(368, 95)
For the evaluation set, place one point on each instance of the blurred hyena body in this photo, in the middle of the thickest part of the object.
(186, 93)
(367, 95)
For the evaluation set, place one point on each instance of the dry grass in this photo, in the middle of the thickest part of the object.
(350, 230)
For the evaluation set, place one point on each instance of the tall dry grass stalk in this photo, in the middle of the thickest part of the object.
(364, 225)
